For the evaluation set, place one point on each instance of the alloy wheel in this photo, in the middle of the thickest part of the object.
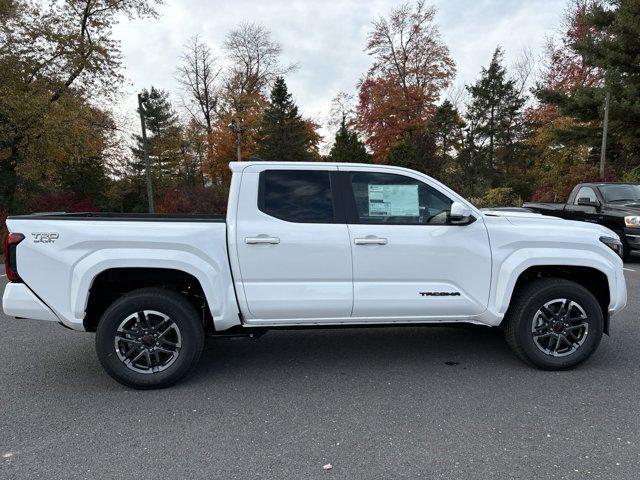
(148, 341)
(559, 327)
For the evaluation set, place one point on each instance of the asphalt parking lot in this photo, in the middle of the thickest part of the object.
(374, 403)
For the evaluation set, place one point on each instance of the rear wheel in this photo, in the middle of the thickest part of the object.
(554, 324)
(149, 338)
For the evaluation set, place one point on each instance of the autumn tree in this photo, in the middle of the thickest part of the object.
(411, 66)
(49, 54)
(255, 61)
(199, 75)
(284, 135)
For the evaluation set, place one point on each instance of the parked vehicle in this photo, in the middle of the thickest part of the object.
(614, 205)
(313, 245)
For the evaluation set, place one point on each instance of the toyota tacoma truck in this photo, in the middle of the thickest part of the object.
(614, 205)
(313, 245)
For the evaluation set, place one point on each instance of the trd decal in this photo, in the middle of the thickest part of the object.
(45, 237)
(439, 294)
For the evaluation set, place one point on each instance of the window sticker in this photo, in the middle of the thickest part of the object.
(393, 201)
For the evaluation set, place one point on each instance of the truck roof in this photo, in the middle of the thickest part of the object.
(600, 184)
(240, 166)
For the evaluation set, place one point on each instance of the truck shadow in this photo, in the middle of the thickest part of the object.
(358, 350)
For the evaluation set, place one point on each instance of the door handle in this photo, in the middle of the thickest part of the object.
(261, 239)
(370, 241)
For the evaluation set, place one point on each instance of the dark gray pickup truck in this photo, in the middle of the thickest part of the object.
(614, 205)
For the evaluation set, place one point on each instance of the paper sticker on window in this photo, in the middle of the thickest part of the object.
(393, 201)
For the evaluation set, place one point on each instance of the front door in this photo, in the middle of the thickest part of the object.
(409, 262)
(293, 246)
(583, 213)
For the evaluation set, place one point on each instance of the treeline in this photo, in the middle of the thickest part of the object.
(528, 130)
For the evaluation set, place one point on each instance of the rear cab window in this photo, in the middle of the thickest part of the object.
(300, 196)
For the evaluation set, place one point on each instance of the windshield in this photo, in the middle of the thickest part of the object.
(619, 193)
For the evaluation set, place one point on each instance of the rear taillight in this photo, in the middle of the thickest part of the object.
(11, 241)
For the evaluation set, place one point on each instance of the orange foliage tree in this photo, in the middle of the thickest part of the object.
(411, 67)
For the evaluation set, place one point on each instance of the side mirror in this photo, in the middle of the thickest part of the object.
(587, 202)
(460, 214)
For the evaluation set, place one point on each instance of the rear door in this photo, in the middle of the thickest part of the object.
(409, 262)
(293, 245)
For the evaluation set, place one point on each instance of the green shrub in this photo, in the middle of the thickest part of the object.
(498, 197)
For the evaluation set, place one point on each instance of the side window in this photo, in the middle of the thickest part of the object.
(302, 196)
(396, 199)
(585, 192)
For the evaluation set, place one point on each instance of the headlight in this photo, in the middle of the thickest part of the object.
(632, 221)
(613, 243)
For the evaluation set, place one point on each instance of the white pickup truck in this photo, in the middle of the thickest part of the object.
(313, 245)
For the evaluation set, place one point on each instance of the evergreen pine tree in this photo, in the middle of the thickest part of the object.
(611, 43)
(445, 127)
(283, 135)
(164, 136)
(404, 154)
(494, 115)
(348, 147)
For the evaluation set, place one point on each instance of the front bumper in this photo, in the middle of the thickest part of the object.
(19, 301)
(618, 296)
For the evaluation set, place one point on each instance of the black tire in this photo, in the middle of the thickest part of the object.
(185, 324)
(525, 307)
(626, 251)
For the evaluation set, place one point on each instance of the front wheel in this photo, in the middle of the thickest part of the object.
(149, 338)
(554, 324)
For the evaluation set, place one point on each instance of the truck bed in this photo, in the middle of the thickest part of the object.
(61, 254)
(139, 217)
(550, 208)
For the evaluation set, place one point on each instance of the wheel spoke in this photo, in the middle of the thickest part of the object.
(168, 329)
(133, 333)
(128, 340)
(164, 350)
(573, 338)
(547, 313)
(542, 335)
(137, 357)
(164, 341)
(141, 321)
(565, 308)
(162, 323)
(574, 327)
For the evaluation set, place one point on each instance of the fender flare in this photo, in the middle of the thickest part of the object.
(210, 274)
(515, 264)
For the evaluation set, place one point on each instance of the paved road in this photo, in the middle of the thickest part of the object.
(377, 403)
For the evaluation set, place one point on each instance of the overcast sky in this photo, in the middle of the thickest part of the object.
(326, 39)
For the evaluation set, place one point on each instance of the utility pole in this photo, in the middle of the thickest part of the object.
(145, 153)
(605, 128)
(237, 127)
